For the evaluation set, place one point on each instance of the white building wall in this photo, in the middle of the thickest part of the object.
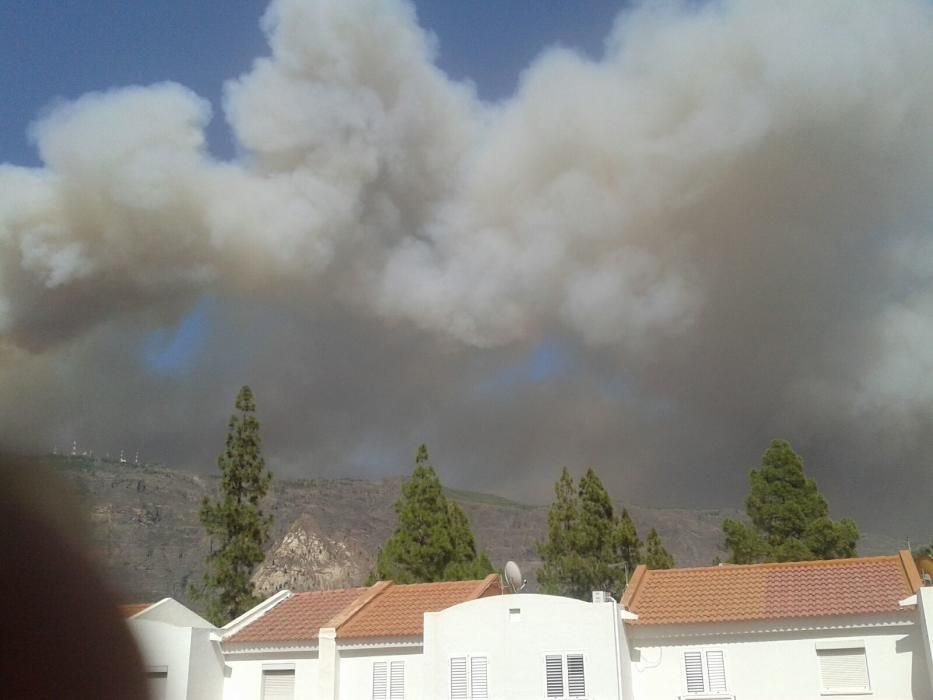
(206, 669)
(515, 632)
(925, 612)
(170, 611)
(356, 671)
(244, 678)
(777, 665)
(165, 648)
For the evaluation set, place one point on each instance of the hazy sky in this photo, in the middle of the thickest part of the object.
(646, 239)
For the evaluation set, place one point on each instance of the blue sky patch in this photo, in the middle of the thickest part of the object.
(174, 350)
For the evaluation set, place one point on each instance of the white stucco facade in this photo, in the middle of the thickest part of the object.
(524, 646)
(243, 679)
(780, 661)
(180, 645)
(356, 662)
(515, 633)
(346, 673)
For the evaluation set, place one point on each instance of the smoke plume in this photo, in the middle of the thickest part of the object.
(716, 233)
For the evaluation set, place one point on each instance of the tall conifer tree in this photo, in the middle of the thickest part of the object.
(656, 555)
(628, 548)
(588, 547)
(433, 540)
(789, 516)
(235, 520)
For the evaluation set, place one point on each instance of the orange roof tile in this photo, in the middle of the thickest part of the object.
(384, 609)
(131, 609)
(771, 591)
(398, 611)
(297, 618)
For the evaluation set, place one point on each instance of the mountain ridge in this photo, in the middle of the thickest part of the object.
(144, 528)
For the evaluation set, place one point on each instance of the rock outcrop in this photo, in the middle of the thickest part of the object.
(307, 560)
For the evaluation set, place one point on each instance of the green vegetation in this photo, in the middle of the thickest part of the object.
(433, 540)
(236, 519)
(588, 547)
(656, 556)
(789, 516)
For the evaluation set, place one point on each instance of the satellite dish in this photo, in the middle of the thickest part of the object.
(513, 577)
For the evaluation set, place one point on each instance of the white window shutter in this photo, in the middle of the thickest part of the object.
(479, 688)
(844, 669)
(716, 671)
(693, 668)
(278, 685)
(576, 680)
(397, 684)
(380, 681)
(554, 670)
(458, 678)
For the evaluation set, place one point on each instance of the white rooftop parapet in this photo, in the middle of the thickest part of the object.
(925, 609)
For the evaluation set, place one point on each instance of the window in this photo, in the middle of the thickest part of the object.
(564, 676)
(468, 686)
(843, 669)
(388, 680)
(278, 684)
(705, 671)
(157, 682)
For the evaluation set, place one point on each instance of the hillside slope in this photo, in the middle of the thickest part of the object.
(145, 529)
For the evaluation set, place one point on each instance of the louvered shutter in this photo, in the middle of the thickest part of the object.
(554, 670)
(397, 685)
(716, 671)
(278, 685)
(576, 680)
(693, 668)
(843, 669)
(478, 683)
(458, 678)
(158, 683)
(379, 680)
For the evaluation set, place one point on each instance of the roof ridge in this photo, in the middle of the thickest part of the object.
(361, 601)
(639, 575)
(910, 569)
(484, 585)
(781, 564)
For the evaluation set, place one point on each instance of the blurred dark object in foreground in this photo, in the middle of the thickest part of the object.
(63, 636)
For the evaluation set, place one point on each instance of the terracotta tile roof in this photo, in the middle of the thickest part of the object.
(131, 609)
(398, 610)
(298, 617)
(771, 591)
(382, 610)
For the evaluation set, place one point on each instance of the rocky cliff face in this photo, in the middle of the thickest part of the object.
(145, 529)
(307, 560)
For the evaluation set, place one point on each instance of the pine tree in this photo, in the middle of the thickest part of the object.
(559, 572)
(588, 547)
(628, 548)
(596, 538)
(656, 555)
(235, 518)
(433, 540)
(789, 516)
(465, 563)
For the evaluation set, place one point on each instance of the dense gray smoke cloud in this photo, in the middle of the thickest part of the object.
(717, 233)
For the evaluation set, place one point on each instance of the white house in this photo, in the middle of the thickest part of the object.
(344, 644)
(179, 649)
(842, 628)
(524, 646)
(845, 628)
